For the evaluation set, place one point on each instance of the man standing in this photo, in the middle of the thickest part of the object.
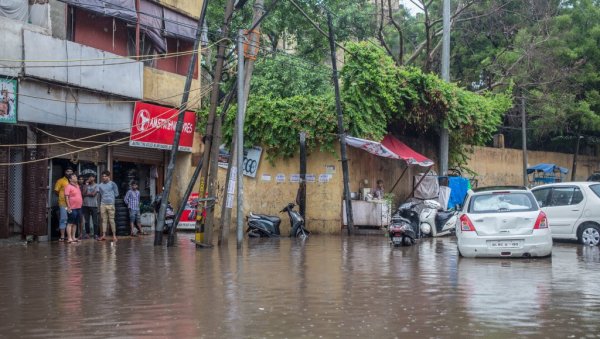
(59, 190)
(108, 191)
(74, 203)
(132, 200)
(90, 206)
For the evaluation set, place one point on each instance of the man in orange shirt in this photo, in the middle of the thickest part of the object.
(59, 190)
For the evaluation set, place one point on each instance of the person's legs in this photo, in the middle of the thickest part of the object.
(62, 223)
(131, 221)
(94, 213)
(104, 216)
(111, 219)
(86, 214)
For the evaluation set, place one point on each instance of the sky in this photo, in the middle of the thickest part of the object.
(410, 6)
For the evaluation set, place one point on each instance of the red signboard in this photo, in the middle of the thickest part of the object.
(153, 126)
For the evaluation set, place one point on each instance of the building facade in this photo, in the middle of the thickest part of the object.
(93, 85)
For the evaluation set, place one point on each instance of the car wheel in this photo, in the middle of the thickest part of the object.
(589, 234)
(458, 250)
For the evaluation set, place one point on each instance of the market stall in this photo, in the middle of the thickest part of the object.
(367, 211)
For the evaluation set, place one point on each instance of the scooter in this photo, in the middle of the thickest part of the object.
(262, 225)
(435, 222)
(404, 225)
(169, 215)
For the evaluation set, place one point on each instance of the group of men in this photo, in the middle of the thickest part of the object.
(79, 198)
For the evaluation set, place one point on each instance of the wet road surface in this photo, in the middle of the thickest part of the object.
(327, 286)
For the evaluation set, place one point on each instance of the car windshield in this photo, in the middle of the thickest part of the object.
(502, 202)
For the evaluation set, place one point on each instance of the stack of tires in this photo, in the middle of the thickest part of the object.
(122, 218)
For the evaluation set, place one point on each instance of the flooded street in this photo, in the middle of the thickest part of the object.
(327, 286)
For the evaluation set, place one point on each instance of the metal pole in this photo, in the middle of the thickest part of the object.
(240, 141)
(340, 123)
(302, 189)
(444, 135)
(188, 191)
(524, 140)
(184, 101)
(213, 138)
(573, 173)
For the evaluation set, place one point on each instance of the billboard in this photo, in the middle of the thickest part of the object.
(8, 100)
(153, 126)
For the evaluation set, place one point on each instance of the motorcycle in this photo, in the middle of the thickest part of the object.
(404, 225)
(169, 215)
(435, 222)
(262, 225)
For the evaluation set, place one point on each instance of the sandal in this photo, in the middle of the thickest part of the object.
(61, 239)
(101, 239)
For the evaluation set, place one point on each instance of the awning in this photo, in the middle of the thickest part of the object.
(546, 168)
(392, 148)
(122, 9)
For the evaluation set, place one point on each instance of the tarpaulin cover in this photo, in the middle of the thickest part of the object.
(546, 168)
(14, 9)
(151, 23)
(179, 26)
(390, 147)
(122, 9)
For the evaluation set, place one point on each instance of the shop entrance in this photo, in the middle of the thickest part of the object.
(124, 172)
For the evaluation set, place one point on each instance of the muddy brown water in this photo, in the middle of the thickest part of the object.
(326, 286)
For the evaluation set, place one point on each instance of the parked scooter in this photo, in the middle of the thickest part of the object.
(435, 222)
(262, 225)
(169, 214)
(404, 225)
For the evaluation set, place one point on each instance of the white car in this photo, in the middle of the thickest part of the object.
(502, 222)
(573, 210)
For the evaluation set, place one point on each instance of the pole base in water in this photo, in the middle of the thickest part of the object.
(200, 244)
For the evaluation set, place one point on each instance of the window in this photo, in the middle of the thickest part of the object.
(564, 196)
(502, 202)
(596, 189)
(541, 195)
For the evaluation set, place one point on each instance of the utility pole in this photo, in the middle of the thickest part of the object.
(252, 42)
(240, 141)
(341, 131)
(444, 135)
(302, 189)
(213, 138)
(180, 115)
(574, 172)
(524, 140)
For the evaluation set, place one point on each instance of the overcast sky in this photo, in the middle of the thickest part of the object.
(410, 6)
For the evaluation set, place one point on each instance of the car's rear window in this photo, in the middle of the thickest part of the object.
(503, 202)
(596, 189)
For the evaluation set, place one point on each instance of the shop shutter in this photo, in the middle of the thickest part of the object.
(36, 193)
(4, 231)
(138, 154)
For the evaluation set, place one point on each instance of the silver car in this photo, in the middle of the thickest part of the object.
(502, 222)
(573, 209)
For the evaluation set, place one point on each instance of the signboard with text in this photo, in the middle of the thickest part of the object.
(153, 126)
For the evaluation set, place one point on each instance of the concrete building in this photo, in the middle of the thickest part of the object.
(87, 84)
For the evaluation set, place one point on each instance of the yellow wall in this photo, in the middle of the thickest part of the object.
(323, 199)
(190, 7)
(165, 88)
(503, 166)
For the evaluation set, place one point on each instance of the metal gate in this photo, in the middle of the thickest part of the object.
(4, 158)
(15, 190)
(36, 192)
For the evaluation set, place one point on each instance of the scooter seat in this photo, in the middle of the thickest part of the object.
(271, 218)
(442, 216)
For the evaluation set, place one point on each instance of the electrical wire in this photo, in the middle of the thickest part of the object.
(84, 139)
(108, 143)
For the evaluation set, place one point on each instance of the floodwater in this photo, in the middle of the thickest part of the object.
(326, 286)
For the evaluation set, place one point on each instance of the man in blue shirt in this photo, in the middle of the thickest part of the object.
(108, 191)
(132, 200)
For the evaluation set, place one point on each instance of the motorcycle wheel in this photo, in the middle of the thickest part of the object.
(301, 233)
(407, 241)
(253, 234)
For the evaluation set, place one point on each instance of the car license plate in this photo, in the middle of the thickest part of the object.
(505, 244)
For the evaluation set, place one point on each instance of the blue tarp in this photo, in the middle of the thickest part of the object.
(458, 190)
(546, 168)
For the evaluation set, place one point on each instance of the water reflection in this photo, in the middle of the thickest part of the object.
(325, 286)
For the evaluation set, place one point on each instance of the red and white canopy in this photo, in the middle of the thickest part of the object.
(390, 147)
